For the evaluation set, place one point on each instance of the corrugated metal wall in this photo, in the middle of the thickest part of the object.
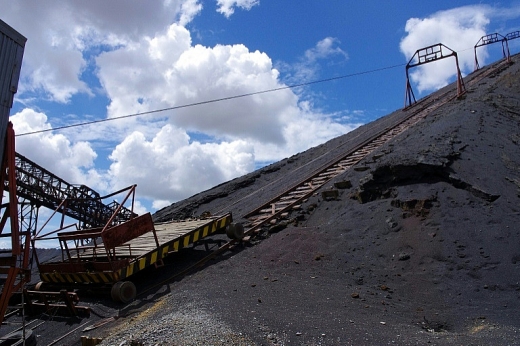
(12, 45)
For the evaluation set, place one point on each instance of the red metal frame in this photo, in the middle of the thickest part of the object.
(17, 265)
(114, 233)
(490, 39)
(513, 35)
(426, 55)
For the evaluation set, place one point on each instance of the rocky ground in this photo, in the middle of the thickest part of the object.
(424, 248)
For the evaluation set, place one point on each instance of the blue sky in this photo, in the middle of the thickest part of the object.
(94, 60)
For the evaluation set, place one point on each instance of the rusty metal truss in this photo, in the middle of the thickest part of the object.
(43, 188)
(14, 263)
(490, 39)
(29, 187)
(427, 55)
(513, 35)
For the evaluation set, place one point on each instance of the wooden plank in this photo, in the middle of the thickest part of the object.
(120, 234)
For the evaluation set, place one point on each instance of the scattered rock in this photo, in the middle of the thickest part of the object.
(278, 227)
(391, 223)
(361, 168)
(330, 195)
(418, 207)
(346, 184)
(404, 256)
(311, 207)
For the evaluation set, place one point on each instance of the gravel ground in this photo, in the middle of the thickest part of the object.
(189, 324)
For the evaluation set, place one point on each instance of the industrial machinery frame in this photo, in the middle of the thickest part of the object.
(427, 55)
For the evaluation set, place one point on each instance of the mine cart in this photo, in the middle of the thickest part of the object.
(108, 256)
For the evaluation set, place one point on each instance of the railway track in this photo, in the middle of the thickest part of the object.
(293, 196)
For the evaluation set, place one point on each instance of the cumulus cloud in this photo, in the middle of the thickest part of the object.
(308, 66)
(459, 29)
(168, 72)
(169, 167)
(74, 161)
(324, 49)
(144, 59)
(305, 128)
(227, 7)
(61, 32)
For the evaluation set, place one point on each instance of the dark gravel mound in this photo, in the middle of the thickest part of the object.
(426, 240)
(422, 247)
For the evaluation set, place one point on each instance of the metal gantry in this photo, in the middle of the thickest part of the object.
(427, 55)
(490, 39)
(30, 187)
(79, 202)
(14, 262)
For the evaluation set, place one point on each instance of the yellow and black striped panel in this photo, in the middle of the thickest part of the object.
(142, 262)
(85, 277)
(152, 257)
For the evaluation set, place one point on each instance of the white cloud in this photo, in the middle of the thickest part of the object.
(325, 49)
(188, 10)
(169, 167)
(146, 62)
(304, 128)
(227, 7)
(74, 162)
(58, 34)
(308, 66)
(459, 29)
(167, 71)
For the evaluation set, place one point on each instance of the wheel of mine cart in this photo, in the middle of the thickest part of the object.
(18, 338)
(123, 291)
(235, 231)
(39, 286)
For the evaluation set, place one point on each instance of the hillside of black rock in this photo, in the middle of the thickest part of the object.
(423, 247)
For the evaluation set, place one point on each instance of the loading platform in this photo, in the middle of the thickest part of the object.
(109, 255)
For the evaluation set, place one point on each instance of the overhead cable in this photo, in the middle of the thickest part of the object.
(213, 100)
